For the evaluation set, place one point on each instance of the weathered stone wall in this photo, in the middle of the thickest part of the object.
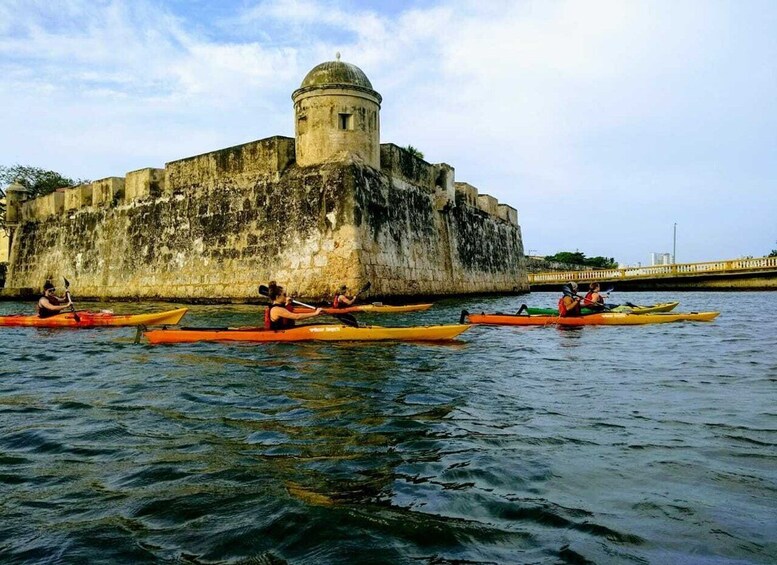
(216, 240)
(3, 247)
(216, 225)
(414, 246)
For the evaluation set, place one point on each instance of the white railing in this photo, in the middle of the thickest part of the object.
(658, 271)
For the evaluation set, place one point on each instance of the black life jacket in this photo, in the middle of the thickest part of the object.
(44, 312)
(280, 323)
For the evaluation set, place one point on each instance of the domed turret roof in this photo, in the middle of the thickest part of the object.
(336, 73)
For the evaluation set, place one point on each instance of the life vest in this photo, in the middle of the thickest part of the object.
(44, 312)
(564, 312)
(280, 323)
(336, 301)
(562, 308)
(589, 298)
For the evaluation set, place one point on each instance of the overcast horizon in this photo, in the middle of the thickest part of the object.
(602, 123)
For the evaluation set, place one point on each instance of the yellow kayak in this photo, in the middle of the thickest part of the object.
(636, 309)
(375, 308)
(603, 319)
(323, 332)
(86, 319)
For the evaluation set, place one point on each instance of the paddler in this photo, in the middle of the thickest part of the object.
(593, 298)
(50, 304)
(569, 303)
(279, 315)
(341, 300)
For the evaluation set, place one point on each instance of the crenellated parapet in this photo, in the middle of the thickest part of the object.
(469, 195)
(265, 158)
(144, 183)
(439, 179)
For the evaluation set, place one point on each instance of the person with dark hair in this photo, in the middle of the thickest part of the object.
(569, 303)
(279, 315)
(341, 300)
(593, 299)
(49, 304)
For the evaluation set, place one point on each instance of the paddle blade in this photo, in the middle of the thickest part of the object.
(76, 317)
(264, 290)
(347, 319)
(365, 288)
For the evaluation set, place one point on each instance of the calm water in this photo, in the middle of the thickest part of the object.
(653, 444)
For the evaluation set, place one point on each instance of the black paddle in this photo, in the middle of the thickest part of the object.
(363, 289)
(72, 308)
(347, 319)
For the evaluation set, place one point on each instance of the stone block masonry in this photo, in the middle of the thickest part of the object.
(221, 223)
(331, 206)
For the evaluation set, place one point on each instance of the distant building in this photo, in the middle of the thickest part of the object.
(660, 259)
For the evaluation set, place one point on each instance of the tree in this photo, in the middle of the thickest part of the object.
(571, 257)
(773, 253)
(601, 262)
(579, 258)
(38, 181)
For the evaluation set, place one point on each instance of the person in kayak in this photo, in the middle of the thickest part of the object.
(341, 300)
(569, 303)
(279, 315)
(50, 304)
(593, 299)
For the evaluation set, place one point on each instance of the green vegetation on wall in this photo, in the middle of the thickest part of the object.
(414, 151)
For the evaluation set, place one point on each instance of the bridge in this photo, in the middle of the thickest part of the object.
(736, 274)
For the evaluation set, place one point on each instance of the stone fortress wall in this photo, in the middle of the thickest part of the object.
(214, 226)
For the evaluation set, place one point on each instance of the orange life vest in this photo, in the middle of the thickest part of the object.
(562, 308)
(589, 298)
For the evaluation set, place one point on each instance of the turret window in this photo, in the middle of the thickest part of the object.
(345, 121)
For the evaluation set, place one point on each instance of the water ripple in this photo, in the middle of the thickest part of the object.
(516, 445)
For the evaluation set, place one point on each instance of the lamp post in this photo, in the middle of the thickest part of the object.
(674, 244)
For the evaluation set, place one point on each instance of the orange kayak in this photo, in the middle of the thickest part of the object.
(601, 319)
(95, 319)
(312, 332)
(371, 308)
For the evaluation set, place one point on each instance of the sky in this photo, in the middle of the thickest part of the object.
(610, 126)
